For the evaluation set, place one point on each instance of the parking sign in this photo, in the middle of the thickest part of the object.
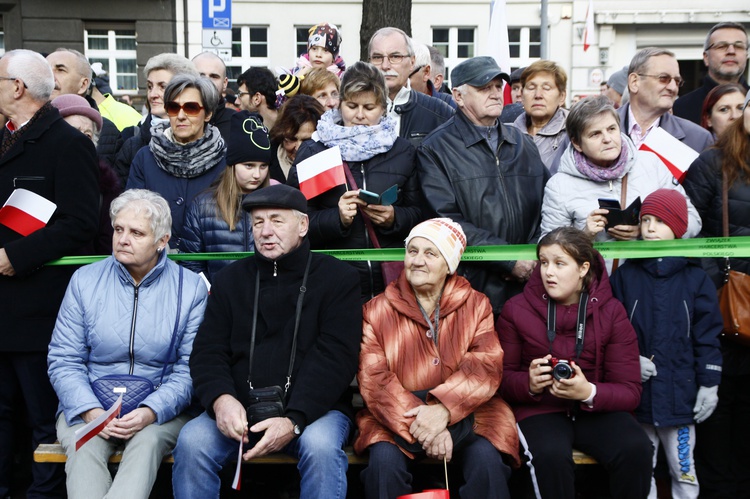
(217, 14)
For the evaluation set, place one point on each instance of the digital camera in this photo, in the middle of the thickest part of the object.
(561, 369)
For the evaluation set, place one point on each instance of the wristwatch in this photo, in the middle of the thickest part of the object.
(295, 428)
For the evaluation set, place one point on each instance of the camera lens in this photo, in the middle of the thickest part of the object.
(562, 371)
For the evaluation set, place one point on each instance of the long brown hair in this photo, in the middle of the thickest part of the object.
(734, 144)
(228, 196)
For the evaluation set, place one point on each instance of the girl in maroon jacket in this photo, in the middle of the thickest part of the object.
(571, 371)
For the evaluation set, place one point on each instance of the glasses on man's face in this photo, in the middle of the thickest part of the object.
(724, 46)
(241, 94)
(664, 79)
(190, 108)
(12, 78)
(377, 59)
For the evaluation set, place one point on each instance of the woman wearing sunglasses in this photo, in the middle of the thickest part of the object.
(188, 156)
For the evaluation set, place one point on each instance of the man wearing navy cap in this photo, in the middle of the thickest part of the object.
(303, 312)
(486, 176)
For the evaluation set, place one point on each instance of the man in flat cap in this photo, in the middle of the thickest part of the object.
(486, 176)
(274, 356)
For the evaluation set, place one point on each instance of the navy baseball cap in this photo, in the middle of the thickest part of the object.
(477, 72)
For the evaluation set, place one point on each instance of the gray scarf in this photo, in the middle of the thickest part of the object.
(188, 160)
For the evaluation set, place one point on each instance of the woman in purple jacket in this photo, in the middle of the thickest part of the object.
(571, 371)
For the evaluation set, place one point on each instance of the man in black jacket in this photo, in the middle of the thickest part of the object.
(725, 56)
(210, 66)
(486, 176)
(416, 114)
(40, 153)
(266, 297)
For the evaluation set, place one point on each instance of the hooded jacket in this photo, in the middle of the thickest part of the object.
(462, 372)
(496, 196)
(610, 348)
(672, 305)
(109, 325)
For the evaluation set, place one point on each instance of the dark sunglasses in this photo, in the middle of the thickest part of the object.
(190, 108)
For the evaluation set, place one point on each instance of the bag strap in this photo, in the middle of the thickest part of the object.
(176, 326)
(365, 218)
(297, 317)
(725, 218)
(623, 205)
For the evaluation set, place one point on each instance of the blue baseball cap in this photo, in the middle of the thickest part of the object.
(477, 72)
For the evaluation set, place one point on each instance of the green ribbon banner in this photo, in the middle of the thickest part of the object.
(698, 248)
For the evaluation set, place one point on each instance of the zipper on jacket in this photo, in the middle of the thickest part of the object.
(368, 243)
(131, 348)
(632, 312)
(275, 270)
(687, 316)
(611, 187)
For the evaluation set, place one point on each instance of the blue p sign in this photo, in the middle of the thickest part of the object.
(217, 14)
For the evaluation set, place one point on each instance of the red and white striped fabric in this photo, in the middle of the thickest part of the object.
(320, 173)
(92, 429)
(675, 154)
(26, 212)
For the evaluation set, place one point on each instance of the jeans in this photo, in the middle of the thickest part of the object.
(202, 451)
(486, 475)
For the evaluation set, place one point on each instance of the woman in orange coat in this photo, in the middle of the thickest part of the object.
(429, 370)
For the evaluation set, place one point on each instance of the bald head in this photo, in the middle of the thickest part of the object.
(212, 67)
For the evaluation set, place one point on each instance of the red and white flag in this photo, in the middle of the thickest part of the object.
(92, 429)
(237, 481)
(589, 32)
(320, 173)
(676, 155)
(26, 212)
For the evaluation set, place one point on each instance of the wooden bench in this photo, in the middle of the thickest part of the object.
(53, 453)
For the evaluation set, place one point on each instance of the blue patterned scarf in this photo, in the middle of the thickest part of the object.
(357, 143)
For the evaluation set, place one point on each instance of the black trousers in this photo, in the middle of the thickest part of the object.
(485, 473)
(722, 449)
(614, 439)
(25, 373)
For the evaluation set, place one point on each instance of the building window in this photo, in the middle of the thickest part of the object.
(302, 37)
(456, 44)
(525, 46)
(249, 48)
(116, 50)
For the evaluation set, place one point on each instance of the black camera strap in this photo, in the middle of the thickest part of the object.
(297, 316)
(580, 322)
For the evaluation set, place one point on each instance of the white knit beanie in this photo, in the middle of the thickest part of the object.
(446, 235)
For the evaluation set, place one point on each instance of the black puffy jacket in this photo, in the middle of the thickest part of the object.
(397, 166)
(496, 196)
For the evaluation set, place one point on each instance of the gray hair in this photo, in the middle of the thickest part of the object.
(175, 64)
(209, 94)
(437, 59)
(722, 25)
(584, 111)
(364, 77)
(34, 70)
(421, 54)
(640, 59)
(389, 30)
(84, 67)
(148, 203)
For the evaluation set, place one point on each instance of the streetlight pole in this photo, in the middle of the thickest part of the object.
(544, 31)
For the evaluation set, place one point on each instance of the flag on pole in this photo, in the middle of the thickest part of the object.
(675, 154)
(237, 481)
(498, 46)
(26, 211)
(320, 173)
(92, 429)
(589, 32)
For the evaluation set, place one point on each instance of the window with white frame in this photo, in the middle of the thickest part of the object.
(115, 48)
(525, 46)
(249, 48)
(456, 44)
(302, 35)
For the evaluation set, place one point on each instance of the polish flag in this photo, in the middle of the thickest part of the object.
(237, 481)
(92, 429)
(26, 212)
(589, 32)
(676, 155)
(320, 173)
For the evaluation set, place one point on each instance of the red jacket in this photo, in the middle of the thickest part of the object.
(463, 371)
(610, 349)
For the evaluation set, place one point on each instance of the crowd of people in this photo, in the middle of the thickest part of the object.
(497, 366)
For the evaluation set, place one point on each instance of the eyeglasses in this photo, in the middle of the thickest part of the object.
(415, 71)
(12, 78)
(190, 108)
(240, 93)
(724, 46)
(664, 79)
(377, 59)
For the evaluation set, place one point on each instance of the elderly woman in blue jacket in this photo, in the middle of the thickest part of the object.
(134, 313)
